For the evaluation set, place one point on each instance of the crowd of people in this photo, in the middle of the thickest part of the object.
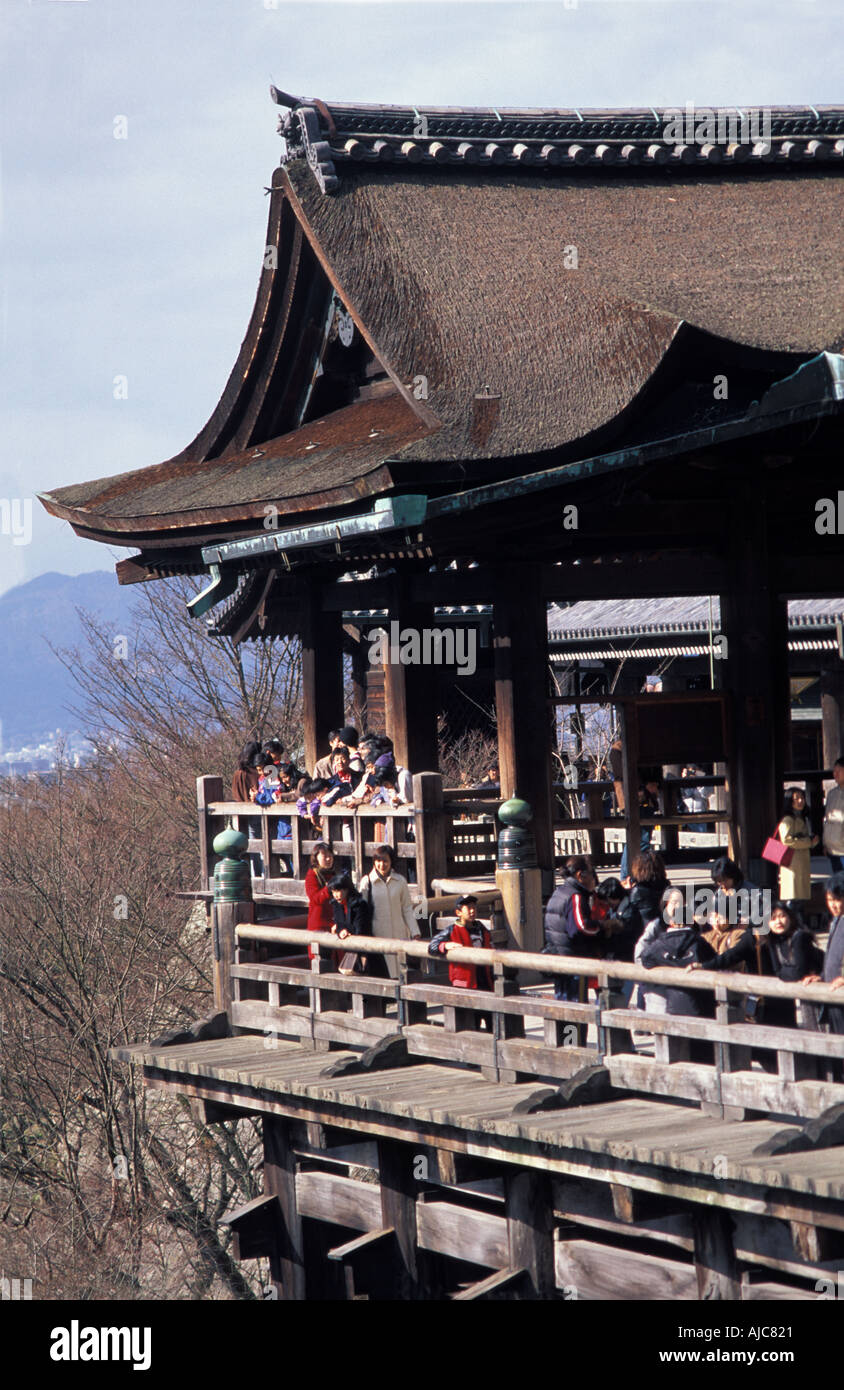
(636, 917)
(354, 772)
(647, 921)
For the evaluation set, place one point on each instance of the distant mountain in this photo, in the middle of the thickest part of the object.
(35, 688)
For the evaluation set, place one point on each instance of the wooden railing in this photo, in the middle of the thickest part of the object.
(592, 826)
(433, 838)
(488, 1029)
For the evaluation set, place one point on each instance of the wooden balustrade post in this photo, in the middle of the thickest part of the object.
(429, 824)
(232, 904)
(224, 918)
(208, 790)
(518, 878)
(728, 1056)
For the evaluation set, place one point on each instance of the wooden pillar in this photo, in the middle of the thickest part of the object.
(715, 1256)
(322, 675)
(411, 686)
(360, 669)
(398, 1210)
(525, 741)
(530, 1229)
(629, 727)
(287, 1265)
(832, 713)
(755, 624)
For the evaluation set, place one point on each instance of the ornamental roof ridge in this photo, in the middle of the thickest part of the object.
(338, 137)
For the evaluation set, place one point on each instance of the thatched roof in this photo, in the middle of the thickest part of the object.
(467, 281)
(522, 315)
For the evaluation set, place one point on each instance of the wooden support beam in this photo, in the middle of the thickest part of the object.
(287, 1265)
(366, 1262)
(398, 1210)
(411, 689)
(322, 675)
(629, 730)
(505, 1283)
(754, 621)
(256, 1229)
(520, 649)
(530, 1229)
(715, 1256)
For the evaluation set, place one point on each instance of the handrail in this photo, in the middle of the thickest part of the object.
(732, 981)
(288, 808)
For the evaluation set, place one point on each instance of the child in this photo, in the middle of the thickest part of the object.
(353, 917)
(466, 931)
(386, 792)
(308, 803)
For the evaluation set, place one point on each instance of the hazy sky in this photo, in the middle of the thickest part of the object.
(140, 257)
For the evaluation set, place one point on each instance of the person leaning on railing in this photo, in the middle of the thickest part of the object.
(468, 931)
(353, 917)
(681, 945)
(832, 971)
(786, 952)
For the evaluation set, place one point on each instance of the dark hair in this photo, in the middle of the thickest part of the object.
(835, 885)
(248, 754)
(648, 867)
(332, 734)
(384, 851)
(727, 868)
(788, 803)
(839, 762)
(611, 890)
(315, 786)
(386, 776)
(290, 770)
(342, 881)
(349, 735)
(577, 864)
(273, 748)
(793, 917)
(320, 845)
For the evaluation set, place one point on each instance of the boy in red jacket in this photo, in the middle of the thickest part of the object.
(466, 931)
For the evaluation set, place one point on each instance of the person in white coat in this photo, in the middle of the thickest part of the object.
(389, 897)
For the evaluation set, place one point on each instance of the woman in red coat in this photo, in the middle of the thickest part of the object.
(320, 902)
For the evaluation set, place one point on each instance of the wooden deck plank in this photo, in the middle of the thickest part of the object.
(653, 1132)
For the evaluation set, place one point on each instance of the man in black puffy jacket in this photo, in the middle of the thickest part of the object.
(571, 929)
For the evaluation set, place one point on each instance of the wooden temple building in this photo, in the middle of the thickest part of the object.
(501, 360)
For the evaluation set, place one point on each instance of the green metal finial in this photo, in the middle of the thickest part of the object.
(516, 846)
(232, 878)
(230, 842)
